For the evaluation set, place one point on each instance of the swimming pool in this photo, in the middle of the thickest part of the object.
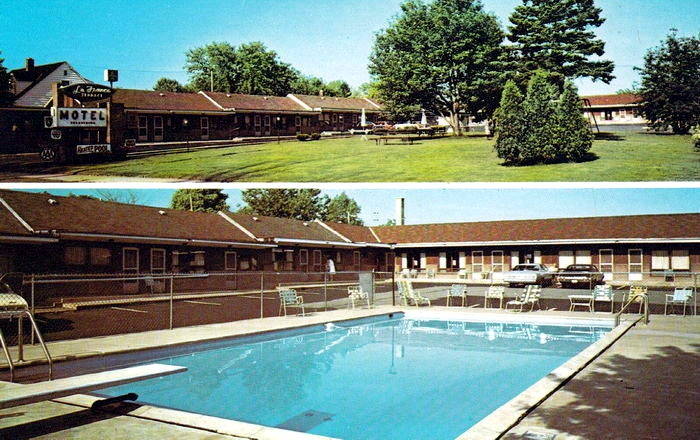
(380, 378)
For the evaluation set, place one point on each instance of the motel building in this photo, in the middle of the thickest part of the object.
(46, 234)
(620, 109)
(144, 117)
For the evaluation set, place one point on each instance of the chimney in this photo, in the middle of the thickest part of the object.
(400, 205)
(29, 64)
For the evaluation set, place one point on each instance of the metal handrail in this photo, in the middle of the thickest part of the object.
(645, 302)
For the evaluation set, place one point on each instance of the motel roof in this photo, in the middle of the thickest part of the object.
(9, 224)
(241, 102)
(621, 99)
(622, 228)
(354, 233)
(35, 74)
(86, 218)
(163, 101)
(285, 230)
(315, 102)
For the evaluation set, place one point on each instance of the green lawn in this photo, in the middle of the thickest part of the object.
(630, 157)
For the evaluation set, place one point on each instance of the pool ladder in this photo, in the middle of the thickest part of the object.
(19, 314)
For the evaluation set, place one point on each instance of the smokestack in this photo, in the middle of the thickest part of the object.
(400, 205)
(29, 64)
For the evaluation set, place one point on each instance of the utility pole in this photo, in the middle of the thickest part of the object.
(211, 80)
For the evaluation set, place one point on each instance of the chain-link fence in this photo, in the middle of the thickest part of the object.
(74, 306)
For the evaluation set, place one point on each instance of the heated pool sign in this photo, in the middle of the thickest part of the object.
(79, 117)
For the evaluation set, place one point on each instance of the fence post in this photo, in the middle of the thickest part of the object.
(393, 288)
(325, 292)
(32, 307)
(262, 293)
(172, 281)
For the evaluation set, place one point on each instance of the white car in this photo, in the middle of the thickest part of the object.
(531, 273)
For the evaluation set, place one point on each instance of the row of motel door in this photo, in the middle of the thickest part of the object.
(566, 258)
(159, 128)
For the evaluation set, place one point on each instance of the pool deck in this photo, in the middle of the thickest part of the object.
(643, 386)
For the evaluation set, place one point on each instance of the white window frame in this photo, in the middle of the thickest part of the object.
(155, 269)
(634, 275)
(204, 127)
(607, 274)
(158, 131)
(142, 129)
(480, 254)
(680, 259)
(235, 261)
(257, 123)
(497, 267)
(660, 259)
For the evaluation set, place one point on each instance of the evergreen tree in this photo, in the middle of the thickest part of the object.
(575, 135)
(168, 85)
(300, 204)
(558, 36)
(202, 200)
(670, 86)
(343, 209)
(510, 124)
(540, 125)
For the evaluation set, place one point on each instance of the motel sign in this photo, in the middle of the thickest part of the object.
(79, 117)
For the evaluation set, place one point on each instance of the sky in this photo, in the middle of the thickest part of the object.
(459, 205)
(332, 39)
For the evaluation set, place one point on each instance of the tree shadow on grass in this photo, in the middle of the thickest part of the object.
(588, 157)
(654, 397)
(608, 136)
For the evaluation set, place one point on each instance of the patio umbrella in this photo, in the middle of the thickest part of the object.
(363, 118)
(423, 118)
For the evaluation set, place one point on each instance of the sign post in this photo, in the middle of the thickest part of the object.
(111, 76)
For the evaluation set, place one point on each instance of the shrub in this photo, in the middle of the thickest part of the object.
(302, 137)
(696, 138)
(575, 137)
(315, 136)
(509, 124)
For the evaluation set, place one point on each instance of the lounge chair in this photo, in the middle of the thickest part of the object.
(462, 273)
(355, 293)
(530, 295)
(289, 298)
(430, 273)
(16, 395)
(680, 296)
(458, 291)
(413, 296)
(604, 293)
(405, 273)
(494, 292)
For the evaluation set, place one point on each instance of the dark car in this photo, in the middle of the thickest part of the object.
(585, 275)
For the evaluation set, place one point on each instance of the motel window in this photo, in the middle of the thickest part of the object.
(338, 257)
(204, 124)
(157, 260)
(130, 259)
(283, 260)
(158, 128)
(297, 122)
(74, 256)
(143, 128)
(442, 261)
(304, 260)
(497, 261)
(608, 115)
(267, 120)
(341, 118)
(678, 259)
(249, 263)
(335, 118)
(197, 258)
(477, 261)
(257, 121)
(355, 118)
(100, 256)
(131, 121)
(318, 267)
(356, 260)
(230, 261)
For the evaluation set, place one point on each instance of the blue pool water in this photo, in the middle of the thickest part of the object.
(393, 379)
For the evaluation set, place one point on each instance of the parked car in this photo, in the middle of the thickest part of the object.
(530, 273)
(580, 275)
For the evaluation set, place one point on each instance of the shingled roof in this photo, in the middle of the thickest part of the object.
(89, 216)
(9, 225)
(336, 103)
(167, 101)
(241, 102)
(613, 100)
(357, 234)
(35, 74)
(667, 226)
(263, 227)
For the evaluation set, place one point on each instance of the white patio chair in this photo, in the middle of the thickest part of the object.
(355, 293)
(530, 295)
(494, 292)
(462, 273)
(457, 291)
(604, 293)
(414, 296)
(289, 298)
(681, 296)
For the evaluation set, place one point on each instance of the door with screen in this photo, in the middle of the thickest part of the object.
(158, 128)
(231, 267)
(157, 268)
(130, 266)
(606, 263)
(635, 259)
(142, 128)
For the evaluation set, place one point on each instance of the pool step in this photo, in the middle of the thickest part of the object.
(306, 421)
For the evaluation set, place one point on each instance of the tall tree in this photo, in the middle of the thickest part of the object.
(338, 88)
(510, 126)
(168, 85)
(558, 36)
(5, 95)
(442, 56)
(366, 90)
(540, 131)
(670, 86)
(249, 68)
(307, 85)
(300, 204)
(202, 200)
(343, 209)
(575, 137)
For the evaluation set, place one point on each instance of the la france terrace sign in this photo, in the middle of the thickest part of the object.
(87, 92)
(81, 116)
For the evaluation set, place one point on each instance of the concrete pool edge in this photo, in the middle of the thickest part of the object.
(508, 415)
